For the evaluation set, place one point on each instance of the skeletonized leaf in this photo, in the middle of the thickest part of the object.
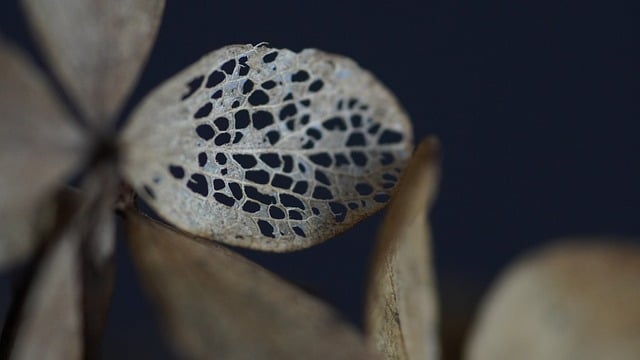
(267, 148)
(38, 147)
(401, 314)
(51, 318)
(97, 48)
(219, 305)
(575, 300)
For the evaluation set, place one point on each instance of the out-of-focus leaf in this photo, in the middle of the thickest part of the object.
(219, 305)
(578, 300)
(97, 48)
(38, 147)
(50, 319)
(401, 310)
(266, 148)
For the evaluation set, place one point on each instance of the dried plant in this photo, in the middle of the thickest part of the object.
(251, 146)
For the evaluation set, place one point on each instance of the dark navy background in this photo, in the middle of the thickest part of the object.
(535, 103)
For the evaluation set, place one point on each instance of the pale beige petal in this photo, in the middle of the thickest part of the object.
(97, 48)
(39, 146)
(578, 300)
(267, 148)
(401, 310)
(218, 305)
(51, 316)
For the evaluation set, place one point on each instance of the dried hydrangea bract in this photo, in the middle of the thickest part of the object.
(401, 309)
(96, 48)
(573, 300)
(267, 148)
(51, 325)
(39, 146)
(217, 304)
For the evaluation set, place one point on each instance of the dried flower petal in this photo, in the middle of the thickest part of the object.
(39, 146)
(401, 311)
(219, 305)
(266, 148)
(575, 300)
(51, 318)
(97, 48)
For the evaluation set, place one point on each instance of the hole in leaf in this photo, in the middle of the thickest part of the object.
(322, 159)
(364, 189)
(202, 159)
(222, 139)
(270, 57)
(281, 181)
(335, 123)
(236, 190)
(390, 137)
(242, 119)
(250, 206)
(198, 184)
(291, 201)
(215, 78)
(321, 177)
(253, 193)
(339, 210)
(222, 123)
(218, 184)
(288, 111)
(246, 161)
(257, 176)
(273, 136)
(301, 187)
(176, 171)
(295, 215)
(221, 158)
(205, 131)
(224, 199)
(193, 86)
(300, 76)
(266, 228)
(262, 119)
(316, 85)
(288, 163)
(271, 159)
(276, 213)
(229, 66)
(322, 193)
(381, 198)
(298, 230)
(258, 97)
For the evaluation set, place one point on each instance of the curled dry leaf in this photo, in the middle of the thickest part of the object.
(96, 48)
(216, 304)
(39, 146)
(267, 148)
(570, 301)
(401, 309)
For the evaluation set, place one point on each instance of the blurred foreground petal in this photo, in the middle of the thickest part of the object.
(38, 147)
(569, 301)
(48, 323)
(96, 48)
(217, 304)
(401, 312)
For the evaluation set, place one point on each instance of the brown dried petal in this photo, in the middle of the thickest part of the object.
(96, 48)
(219, 305)
(51, 318)
(401, 311)
(38, 147)
(576, 300)
(267, 148)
